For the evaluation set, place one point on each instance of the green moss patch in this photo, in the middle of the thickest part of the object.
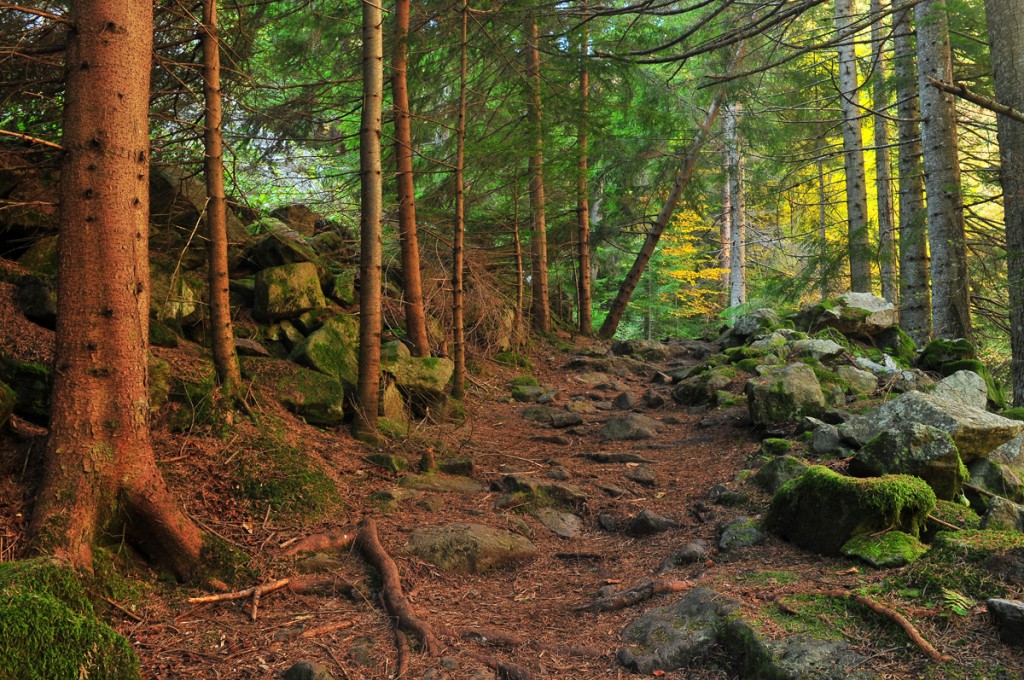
(514, 359)
(957, 562)
(50, 630)
(530, 381)
(271, 471)
(776, 447)
(885, 551)
(221, 560)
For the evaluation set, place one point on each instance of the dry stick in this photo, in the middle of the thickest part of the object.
(334, 541)
(635, 595)
(327, 584)
(932, 518)
(256, 592)
(327, 628)
(391, 587)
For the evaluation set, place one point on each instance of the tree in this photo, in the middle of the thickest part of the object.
(915, 293)
(370, 223)
(415, 320)
(883, 166)
(458, 327)
(99, 467)
(539, 253)
(582, 198)
(1006, 42)
(737, 219)
(951, 310)
(853, 147)
(222, 337)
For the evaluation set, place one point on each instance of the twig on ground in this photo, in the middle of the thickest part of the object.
(334, 541)
(324, 629)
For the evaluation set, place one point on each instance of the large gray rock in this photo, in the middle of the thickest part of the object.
(1001, 472)
(861, 381)
(177, 203)
(277, 245)
(975, 432)
(1008, 617)
(818, 349)
(963, 387)
(914, 449)
(777, 472)
(756, 323)
(1004, 515)
(423, 381)
(629, 427)
(287, 291)
(561, 523)
(333, 349)
(469, 548)
(784, 395)
(860, 314)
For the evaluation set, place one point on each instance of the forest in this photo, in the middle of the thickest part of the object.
(579, 339)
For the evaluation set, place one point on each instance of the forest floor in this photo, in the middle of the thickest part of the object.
(536, 602)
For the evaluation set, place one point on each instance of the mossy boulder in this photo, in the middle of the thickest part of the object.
(860, 381)
(1004, 515)
(469, 548)
(32, 384)
(994, 391)
(50, 629)
(175, 295)
(422, 381)
(776, 472)
(702, 388)
(317, 398)
(784, 395)
(333, 350)
(162, 334)
(278, 244)
(898, 344)
(940, 352)
(1001, 473)
(287, 291)
(341, 287)
(7, 401)
(821, 510)
(889, 550)
(754, 324)
(914, 449)
(853, 314)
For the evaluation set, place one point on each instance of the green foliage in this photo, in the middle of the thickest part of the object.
(774, 447)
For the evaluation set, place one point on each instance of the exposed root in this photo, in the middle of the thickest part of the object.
(635, 595)
(322, 630)
(391, 587)
(402, 645)
(322, 584)
(333, 541)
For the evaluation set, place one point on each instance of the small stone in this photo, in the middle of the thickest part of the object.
(449, 663)
(629, 427)
(527, 393)
(307, 670)
(250, 348)
(691, 553)
(722, 495)
(607, 521)
(626, 401)
(561, 420)
(740, 533)
(642, 474)
(562, 524)
(1008, 617)
(612, 490)
(647, 523)
(654, 400)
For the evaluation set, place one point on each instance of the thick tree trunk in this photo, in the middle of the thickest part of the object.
(822, 230)
(951, 309)
(459, 377)
(582, 198)
(737, 218)
(415, 318)
(371, 200)
(1005, 19)
(859, 246)
(883, 167)
(99, 470)
(222, 337)
(683, 175)
(539, 252)
(915, 292)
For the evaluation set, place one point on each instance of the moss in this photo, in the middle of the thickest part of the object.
(887, 550)
(392, 429)
(941, 351)
(32, 384)
(768, 578)
(950, 512)
(957, 562)
(161, 335)
(159, 382)
(200, 407)
(530, 381)
(50, 630)
(388, 461)
(898, 344)
(1014, 413)
(776, 447)
(514, 359)
(455, 410)
(835, 336)
(220, 560)
(749, 365)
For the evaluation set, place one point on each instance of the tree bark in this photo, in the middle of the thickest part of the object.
(517, 245)
(415, 318)
(1005, 19)
(371, 201)
(883, 166)
(915, 292)
(683, 175)
(539, 252)
(951, 310)
(859, 246)
(737, 218)
(582, 198)
(458, 326)
(99, 469)
(222, 337)
(725, 233)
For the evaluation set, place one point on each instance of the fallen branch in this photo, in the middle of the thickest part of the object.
(941, 523)
(333, 541)
(322, 630)
(322, 584)
(241, 594)
(635, 595)
(395, 601)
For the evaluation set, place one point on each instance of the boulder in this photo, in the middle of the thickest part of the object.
(890, 550)
(743, 532)
(897, 343)
(825, 440)
(784, 395)
(469, 548)
(648, 350)
(1008, 617)
(963, 387)
(627, 401)
(854, 314)
(629, 427)
(278, 245)
(974, 431)
(818, 349)
(914, 449)
(422, 381)
(287, 291)
(942, 351)
(860, 381)
(1004, 515)
(777, 472)
(821, 510)
(311, 395)
(37, 298)
(298, 217)
(527, 393)
(333, 350)
(754, 324)
(441, 483)
(177, 203)
(1001, 472)
(341, 287)
(175, 295)
(702, 387)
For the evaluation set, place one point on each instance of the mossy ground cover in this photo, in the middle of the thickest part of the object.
(957, 561)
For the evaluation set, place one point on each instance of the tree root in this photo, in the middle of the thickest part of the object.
(327, 628)
(333, 541)
(395, 601)
(506, 640)
(322, 584)
(897, 618)
(503, 671)
(635, 595)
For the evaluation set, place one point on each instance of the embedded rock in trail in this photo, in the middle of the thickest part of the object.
(527, 393)
(964, 387)
(287, 291)
(691, 553)
(777, 472)
(546, 415)
(334, 350)
(541, 490)
(562, 524)
(469, 548)
(647, 523)
(441, 483)
(695, 629)
(307, 670)
(629, 427)
(627, 401)
(743, 532)
(616, 457)
(642, 474)
(783, 395)
(614, 365)
(856, 314)
(821, 510)
(914, 449)
(702, 388)
(974, 431)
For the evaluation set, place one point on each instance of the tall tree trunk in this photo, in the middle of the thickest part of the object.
(915, 292)
(459, 377)
(540, 307)
(951, 308)
(859, 245)
(883, 166)
(737, 219)
(1005, 19)
(822, 230)
(222, 337)
(725, 233)
(518, 246)
(683, 175)
(582, 199)
(415, 319)
(371, 200)
(99, 469)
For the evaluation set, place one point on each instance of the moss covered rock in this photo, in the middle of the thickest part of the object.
(701, 388)
(776, 472)
(469, 548)
(941, 351)
(317, 398)
(423, 381)
(853, 314)
(889, 550)
(50, 630)
(895, 342)
(333, 349)
(914, 449)
(821, 510)
(287, 291)
(278, 244)
(784, 395)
